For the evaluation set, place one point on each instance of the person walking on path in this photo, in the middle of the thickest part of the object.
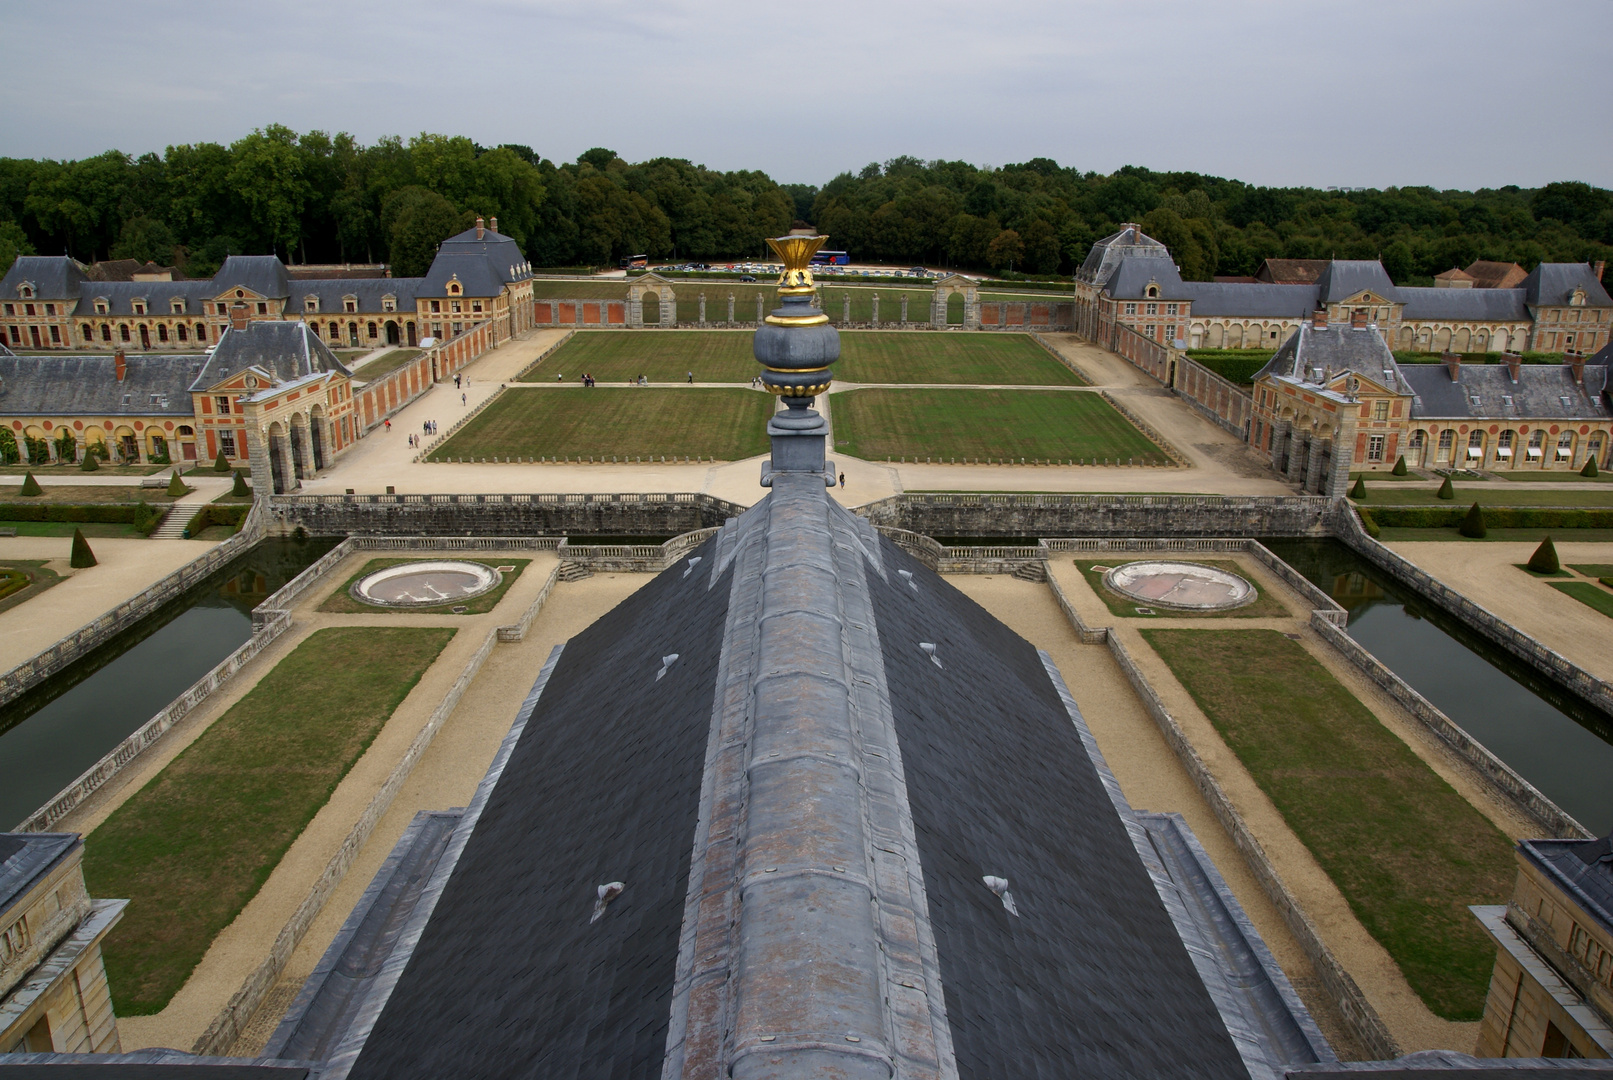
(389, 425)
(462, 400)
(691, 378)
(842, 481)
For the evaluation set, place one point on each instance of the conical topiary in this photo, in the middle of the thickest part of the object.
(30, 486)
(240, 490)
(1473, 524)
(1544, 560)
(221, 464)
(1590, 467)
(1359, 491)
(1400, 466)
(1446, 491)
(82, 555)
(176, 486)
(90, 463)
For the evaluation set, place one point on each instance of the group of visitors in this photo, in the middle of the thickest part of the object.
(427, 429)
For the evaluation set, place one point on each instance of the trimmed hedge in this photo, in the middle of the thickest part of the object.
(141, 515)
(1495, 517)
(211, 515)
(1232, 365)
(1476, 357)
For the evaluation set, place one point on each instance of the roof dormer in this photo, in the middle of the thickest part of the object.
(454, 287)
(310, 303)
(102, 305)
(26, 290)
(1577, 297)
(1152, 291)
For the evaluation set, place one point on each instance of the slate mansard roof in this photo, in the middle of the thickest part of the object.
(1582, 868)
(89, 386)
(54, 277)
(285, 350)
(484, 265)
(367, 292)
(1129, 242)
(1542, 392)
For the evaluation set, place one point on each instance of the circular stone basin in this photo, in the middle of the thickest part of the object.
(1182, 585)
(425, 584)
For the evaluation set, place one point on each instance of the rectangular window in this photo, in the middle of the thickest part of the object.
(436, 306)
(263, 309)
(1153, 309)
(1170, 309)
(1375, 447)
(11, 309)
(226, 443)
(1380, 410)
(1131, 309)
(476, 306)
(1170, 333)
(16, 336)
(1151, 330)
(28, 309)
(50, 309)
(55, 335)
(223, 405)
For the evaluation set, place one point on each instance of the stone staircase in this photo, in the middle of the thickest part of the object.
(179, 515)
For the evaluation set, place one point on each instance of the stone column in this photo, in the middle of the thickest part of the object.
(971, 310)
(938, 311)
(904, 309)
(635, 310)
(669, 308)
(1279, 442)
(1313, 465)
(1338, 480)
(845, 308)
(874, 322)
(759, 314)
(702, 309)
(1298, 457)
(257, 453)
(730, 309)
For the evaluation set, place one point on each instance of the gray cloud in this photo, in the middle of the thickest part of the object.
(1453, 94)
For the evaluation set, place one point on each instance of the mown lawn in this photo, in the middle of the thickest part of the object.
(987, 424)
(341, 599)
(1408, 853)
(865, 357)
(1381, 493)
(1587, 593)
(191, 848)
(623, 422)
(745, 293)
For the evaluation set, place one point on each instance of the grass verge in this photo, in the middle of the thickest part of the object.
(996, 424)
(1533, 535)
(1593, 569)
(75, 495)
(1566, 477)
(601, 423)
(1485, 494)
(342, 601)
(1265, 606)
(1408, 852)
(386, 364)
(23, 579)
(193, 846)
(1588, 594)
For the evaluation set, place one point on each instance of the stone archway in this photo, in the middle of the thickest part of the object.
(660, 289)
(272, 467)
(945, 289)
(319, 430)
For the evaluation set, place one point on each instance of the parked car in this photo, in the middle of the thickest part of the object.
(748, 277)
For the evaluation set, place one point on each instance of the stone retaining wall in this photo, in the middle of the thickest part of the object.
(1101, 515)
(500, 515)
(31, 672)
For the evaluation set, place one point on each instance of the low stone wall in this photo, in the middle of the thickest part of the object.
(1026, 314)
(1218, 399)
(1549, 662)
(42, 665)
(635, 558)
(500, 515)
(374, 402)
(1101, 515)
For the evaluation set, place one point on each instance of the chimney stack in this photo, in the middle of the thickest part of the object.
(1599, 266)
(1358, 319)
(1453, 364)
(1319, 319)
(1514, 364)
(492, 223)
(481, 228)
(1576, 367)
(120, 363)
(238, 319)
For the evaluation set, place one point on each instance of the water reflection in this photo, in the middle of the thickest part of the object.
(1558, 742)
(59, 729)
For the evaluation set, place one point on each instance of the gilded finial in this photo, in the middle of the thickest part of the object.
(795, 250)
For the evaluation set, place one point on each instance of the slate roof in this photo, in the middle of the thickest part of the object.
(1539, 393)
(1421, 1065)
(55, 277)
(88, 385)
(285, 349)
(1344, 278)
(1476, 305)
(1553, 283)
(1106, 253)
(1252, 301)
(510, 977)
(1337, 349)
(484, 266)
(1131, 275)
(263, 274)
(158, 295)
(1582, 868)
(367, 291)
(24, 857)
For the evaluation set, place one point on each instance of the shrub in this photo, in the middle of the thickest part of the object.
(1359, 491)
(1590, 467)
(141, 515)
(30, 486)
(90, 462)
(67, 446)
(213, 514)
(1496, 517)
(1473, 523)
(1544, 560)
(1400, 466)
(221, 464)
(82, 556)
(1446, 491)
(240, 490)
(1367, 523)
(176, 486)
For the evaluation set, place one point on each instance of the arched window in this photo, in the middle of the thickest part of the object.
(89, 332)
(183, 332)
(1565, 446)
(123, 330)
(1447, 439)
(1537, 442)
(1503, 446)
(106, 332)
(1475, 445)
(201, 332)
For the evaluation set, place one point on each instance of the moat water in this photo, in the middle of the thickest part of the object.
(1554, 739)
(51, 734)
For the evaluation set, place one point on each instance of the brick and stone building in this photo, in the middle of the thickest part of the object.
(53, 989)
(51, 302)
(1551, 994)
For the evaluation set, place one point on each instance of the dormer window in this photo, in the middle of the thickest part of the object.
(350, 303)
(27, 292)
(1152, 292)
(453, 287)
(310, 303)
(1578, 299)
(389, 303)
(139, 307)
(100, 307)
(176, 306)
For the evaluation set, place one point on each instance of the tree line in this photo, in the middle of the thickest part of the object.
(315, 197)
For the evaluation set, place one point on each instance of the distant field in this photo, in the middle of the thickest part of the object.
(615, 421)
(866, 356)
(971, 424)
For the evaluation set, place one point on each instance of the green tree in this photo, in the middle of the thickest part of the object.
(267, 176)
(416, 221)
(13, 242)
(1005, 249)
(146, 239)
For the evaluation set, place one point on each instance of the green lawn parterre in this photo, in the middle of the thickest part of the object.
(532, 422)
(192, 847)
(1588, 593)
(341, 599)
(613, 356)
(1406, 850)
(968, 424)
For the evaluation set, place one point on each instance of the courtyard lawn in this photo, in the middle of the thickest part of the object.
(1265, 606)
(745, 293)
(23, 579)
(1532, 475)
(386, 363)
(615, 356)
(928, 357)
(341, 600)
(622, 422)
(192, 847)
(969, 425)
(1587, 593)
(1408, 852)
(77, 495)
(1395, 534)
(1382, 494)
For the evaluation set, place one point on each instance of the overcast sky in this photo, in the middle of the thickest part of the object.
(1475, 93)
